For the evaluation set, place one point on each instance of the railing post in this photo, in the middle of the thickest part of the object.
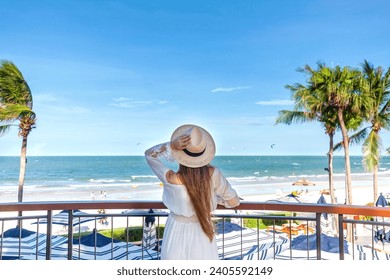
(223, 239)
(318, 235)
(49, 231)
(70, 234)
(341, 236)
(1, 242)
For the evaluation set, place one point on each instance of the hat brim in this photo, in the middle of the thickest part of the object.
(181, 157)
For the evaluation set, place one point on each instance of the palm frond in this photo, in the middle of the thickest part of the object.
(338, 146)
(11, 111)
(355, 138)
(289, 117)
(13, 87)
(359, 136)
(385, 109)
(371, 151)
(15, 100)
(4, 129)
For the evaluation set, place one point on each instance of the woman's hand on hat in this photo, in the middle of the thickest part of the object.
(181, 142)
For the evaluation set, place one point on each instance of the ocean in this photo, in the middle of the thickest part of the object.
(129, 177)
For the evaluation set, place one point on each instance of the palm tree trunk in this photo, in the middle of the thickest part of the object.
(22, 172)
(375, 182)
(348, 178)
(348, 174)
(331, 183)
(330, 169)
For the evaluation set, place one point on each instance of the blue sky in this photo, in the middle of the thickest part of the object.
(115, 77)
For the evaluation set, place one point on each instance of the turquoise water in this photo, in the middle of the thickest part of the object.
(111, 171)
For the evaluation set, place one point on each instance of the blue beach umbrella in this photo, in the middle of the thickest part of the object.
(328, 243)
(381, 201)
(149, 238)
(355, 252)
(239, 243)
(96, 246)
(149, 220)
(17, 242)
(149, 235)
(380, 234)
(322, 200)
(62, 218)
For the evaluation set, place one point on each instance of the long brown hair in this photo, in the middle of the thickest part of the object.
(198, 184)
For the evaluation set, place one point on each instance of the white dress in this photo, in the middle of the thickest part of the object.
(184, 238)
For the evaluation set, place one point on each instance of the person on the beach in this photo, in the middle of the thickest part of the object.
(191, 193)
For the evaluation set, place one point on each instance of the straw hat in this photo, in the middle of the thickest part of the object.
(199, 152)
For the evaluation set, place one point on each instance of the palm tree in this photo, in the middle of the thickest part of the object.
(377, 87)
(308, 107)
(332, 96)
(311, 104)
(16, 105)
(338, 88)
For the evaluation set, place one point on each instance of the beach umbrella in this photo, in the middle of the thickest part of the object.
(149, 238)
(328, 243)
(17, 242)
(96, 246)
(322, 200)
(239, 243)
(359, 253)
(305, 248)
(149, 234)
(144, 212)
(381, 201)
(62, 218)
(380, 234)
(303, 182)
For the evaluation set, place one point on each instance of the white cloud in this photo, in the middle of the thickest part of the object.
(277, 102)
(229, 89)
(125, 102)
(121, 99)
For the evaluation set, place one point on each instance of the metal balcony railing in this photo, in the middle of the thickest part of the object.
(355, 232)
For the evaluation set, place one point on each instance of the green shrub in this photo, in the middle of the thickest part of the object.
(264, 223)
(129, 234)
(253, 223)
(278, 222)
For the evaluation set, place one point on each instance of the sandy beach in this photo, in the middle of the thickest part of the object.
(362, 193)
(362, 190)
